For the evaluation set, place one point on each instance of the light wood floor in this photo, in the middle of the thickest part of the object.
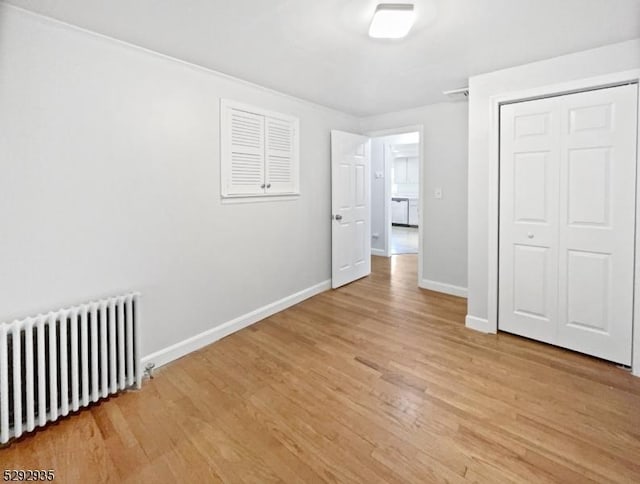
(376, 382)
(404, 240)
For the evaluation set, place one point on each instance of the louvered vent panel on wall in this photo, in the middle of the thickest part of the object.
(244, 149)
(259, 154)
(280, 155)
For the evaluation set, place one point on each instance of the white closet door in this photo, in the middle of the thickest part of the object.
(529, 181)
(597, 203)
(567, 220)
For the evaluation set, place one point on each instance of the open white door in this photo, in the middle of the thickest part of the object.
(351, 207)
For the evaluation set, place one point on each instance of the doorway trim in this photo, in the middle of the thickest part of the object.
(387, 184)
(588, 84)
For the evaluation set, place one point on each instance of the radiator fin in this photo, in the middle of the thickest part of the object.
(54, 364)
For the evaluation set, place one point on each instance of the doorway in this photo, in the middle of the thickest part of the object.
(396, 193)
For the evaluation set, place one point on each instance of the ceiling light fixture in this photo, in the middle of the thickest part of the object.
(392, 21)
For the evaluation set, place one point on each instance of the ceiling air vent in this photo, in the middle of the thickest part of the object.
(461, 94)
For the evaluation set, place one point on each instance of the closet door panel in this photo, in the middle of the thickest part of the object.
(567, 220)
(597, 223)
(528, 219)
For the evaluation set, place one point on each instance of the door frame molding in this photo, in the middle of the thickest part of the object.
(571, 87)
(387, 188)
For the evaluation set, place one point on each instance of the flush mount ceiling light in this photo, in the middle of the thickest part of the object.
(392, 21)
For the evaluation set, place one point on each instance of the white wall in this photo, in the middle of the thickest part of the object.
(379, 243)
(445, 157)
(109, 182)
(612, 58)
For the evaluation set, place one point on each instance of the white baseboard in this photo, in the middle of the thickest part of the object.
(379, 252)
(478, 324)
(442, 287)
(173, 352)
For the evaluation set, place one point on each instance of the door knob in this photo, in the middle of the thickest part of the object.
(338, 217)
(530, 235)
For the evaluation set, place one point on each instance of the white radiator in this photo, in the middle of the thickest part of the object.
(53, 364)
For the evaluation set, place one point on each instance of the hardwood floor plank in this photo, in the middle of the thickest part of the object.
(378, 381)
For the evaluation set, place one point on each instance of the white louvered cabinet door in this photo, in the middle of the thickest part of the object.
(243, 172)
(281, 155)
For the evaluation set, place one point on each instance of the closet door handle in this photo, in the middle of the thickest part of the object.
(268, 185)
(262, 186)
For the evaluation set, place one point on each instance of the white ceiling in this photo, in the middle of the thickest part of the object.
(319, 49)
